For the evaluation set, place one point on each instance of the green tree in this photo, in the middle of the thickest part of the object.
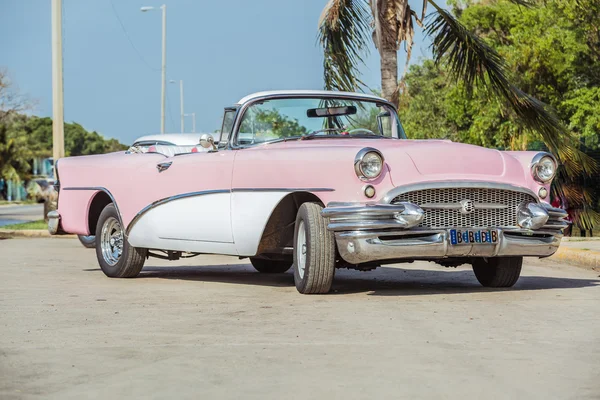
(555, 56)
(78, 141)
(14, 156)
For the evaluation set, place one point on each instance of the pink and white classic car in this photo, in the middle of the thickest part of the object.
(316, 181)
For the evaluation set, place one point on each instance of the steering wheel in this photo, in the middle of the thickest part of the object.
(362, 130)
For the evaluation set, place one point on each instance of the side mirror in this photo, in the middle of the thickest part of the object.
(380, 117)
(208, 142)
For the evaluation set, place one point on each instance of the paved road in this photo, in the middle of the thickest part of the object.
(211, 327)
(20, 213)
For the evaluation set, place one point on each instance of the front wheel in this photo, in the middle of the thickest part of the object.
(117, 258)
(270, 266)
(314, 251)
(87, 241)
(498, 271)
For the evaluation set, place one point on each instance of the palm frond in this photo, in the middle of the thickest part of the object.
(476, 64)
(524, 3)
(344, 29)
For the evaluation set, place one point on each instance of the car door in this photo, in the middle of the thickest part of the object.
(184, 203)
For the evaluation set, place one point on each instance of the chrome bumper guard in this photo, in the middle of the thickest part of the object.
(347, 216)
(54, 222)
(377, 232)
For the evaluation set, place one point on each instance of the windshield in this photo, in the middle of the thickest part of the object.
(283, 119)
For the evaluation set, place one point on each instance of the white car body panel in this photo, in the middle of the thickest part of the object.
(249, 220)
(199, 223)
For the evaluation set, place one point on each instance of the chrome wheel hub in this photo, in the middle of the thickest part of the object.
(301, 250)
(111, 241)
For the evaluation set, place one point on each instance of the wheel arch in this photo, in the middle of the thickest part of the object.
(278, 231)
(98, 202)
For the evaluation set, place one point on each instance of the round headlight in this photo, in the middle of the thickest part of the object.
(543, 167)
(368, 163)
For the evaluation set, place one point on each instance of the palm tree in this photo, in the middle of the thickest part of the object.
(346, 26)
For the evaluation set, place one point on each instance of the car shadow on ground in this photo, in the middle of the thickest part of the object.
(383, 281)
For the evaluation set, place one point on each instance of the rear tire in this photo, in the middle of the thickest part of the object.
(87, 241)
(117, 258)
(314, 251)
(270, 266)
(498, 271)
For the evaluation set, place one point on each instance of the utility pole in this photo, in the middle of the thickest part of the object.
(163, 86)
(58, 139)
(181, 105)
(163, 99)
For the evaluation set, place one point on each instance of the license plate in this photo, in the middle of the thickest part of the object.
(473, 236)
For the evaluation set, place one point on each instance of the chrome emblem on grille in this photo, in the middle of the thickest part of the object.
(467, 206)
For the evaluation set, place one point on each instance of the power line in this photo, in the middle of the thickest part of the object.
(129, 39)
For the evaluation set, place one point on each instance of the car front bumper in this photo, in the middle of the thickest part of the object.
(54, 223)
(378, 232)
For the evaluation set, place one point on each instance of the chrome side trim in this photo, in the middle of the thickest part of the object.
(100, 189)
(167, 200)
(454, 184)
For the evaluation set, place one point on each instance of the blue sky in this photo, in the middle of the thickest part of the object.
(222, 50)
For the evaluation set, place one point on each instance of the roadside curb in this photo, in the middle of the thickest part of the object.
(31, 233)
(588, 259)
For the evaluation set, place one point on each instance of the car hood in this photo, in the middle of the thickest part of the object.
(412, 161)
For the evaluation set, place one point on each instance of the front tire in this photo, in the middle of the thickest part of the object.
(117, 258)
(498, 271)
(314, 251)
(270, 266)
(87, 241)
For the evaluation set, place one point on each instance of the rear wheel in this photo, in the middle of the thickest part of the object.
(498, 271)
(270, 266)
(117, 258)
(314, 251)
(87, 241)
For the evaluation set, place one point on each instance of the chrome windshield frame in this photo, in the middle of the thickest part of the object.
(282, 96)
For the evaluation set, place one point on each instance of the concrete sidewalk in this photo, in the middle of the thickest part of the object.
(583, 252)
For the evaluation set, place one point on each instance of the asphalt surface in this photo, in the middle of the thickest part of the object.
(17, 214)
(211, 327)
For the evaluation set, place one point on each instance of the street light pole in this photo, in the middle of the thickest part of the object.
(193, 115)
(163, 91)
(182, 113)
(58, 140)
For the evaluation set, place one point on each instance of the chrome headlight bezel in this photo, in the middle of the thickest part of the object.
(537, 161)
(359, 163)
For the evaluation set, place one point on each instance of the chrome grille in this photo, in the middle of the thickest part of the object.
(502, 211)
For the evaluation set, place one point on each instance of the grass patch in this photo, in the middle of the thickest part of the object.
(27, 225)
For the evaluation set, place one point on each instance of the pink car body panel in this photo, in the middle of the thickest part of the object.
(134, 181)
